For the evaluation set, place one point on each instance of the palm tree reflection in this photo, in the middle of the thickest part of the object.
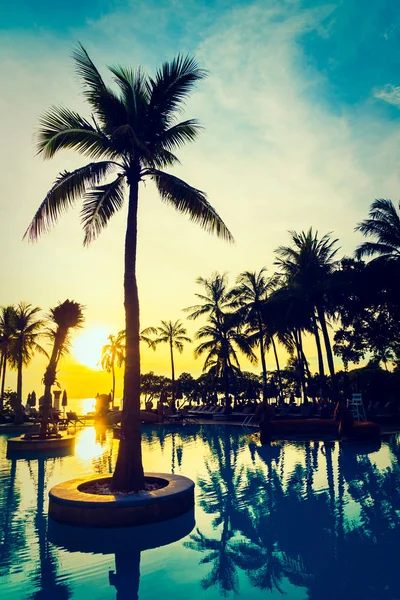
(336, 538)
(125, 543)
(12, 522)
(45, 577)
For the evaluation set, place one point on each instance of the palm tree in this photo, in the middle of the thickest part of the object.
(248, 297)
(27, 329)
(112, 353)
(7, 317)
(173, 334)
(133, 132)
(215, 301)
(307, 267)
(383, 225)
(63, 317)
(287, 316)
(219, 340)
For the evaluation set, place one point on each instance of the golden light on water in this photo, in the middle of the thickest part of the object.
(86, 347)
(88, 445)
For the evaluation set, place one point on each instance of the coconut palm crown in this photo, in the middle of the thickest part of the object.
(133, 134)
(383, 225)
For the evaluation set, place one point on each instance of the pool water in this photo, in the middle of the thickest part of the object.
(305, 520)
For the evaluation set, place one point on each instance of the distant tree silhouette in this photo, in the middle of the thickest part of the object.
(173, 334)
(219, 339)
(307, 266)
(27, 328)
(62, 318)
(248, 296)
(7, 317)
(113, 354)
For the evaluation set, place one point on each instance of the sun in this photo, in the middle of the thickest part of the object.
(86, 347)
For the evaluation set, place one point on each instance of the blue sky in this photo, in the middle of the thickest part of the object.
(356, 45)
(301, 128)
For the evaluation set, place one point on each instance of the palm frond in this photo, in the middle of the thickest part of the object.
(172, 84)
(132, 84)
(177, 135)
(62, 129)
(68, 187)
(99, 205)
(383, 225)
(106, 105)
(190, 201)
(368, 249)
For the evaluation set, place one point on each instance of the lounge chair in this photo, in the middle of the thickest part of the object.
(72, 417)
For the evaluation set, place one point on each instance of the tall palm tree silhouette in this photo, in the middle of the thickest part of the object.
(113, 354)
(219, 340)
(133, 133)
(307, 266)
(7, 316)
(62, 318)
(173, 334)
(27, 330)
(248, 297)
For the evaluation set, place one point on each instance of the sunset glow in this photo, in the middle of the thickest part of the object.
(86, 347)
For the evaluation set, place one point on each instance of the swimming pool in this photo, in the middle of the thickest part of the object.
(308, 520)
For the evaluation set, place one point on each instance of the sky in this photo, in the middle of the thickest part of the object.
(301, 128)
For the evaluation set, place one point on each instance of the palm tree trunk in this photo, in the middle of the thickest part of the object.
(300, 354)
(320, 357)
(49, 379)
(113, 384)
(227, 409)
(3, 378)
(18, 408)
(328, 348)
(128, 475)
(277, 368)
(263, 361)
(173, 376)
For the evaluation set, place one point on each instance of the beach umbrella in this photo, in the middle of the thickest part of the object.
(28, 400)
(64, 401)
(33, 399)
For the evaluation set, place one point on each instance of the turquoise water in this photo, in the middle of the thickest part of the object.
(307, 520)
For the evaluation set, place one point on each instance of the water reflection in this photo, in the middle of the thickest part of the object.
(43, 576)
(126, 544)
(12, 523)
(274, 526)
(91, 443)
(309, 520)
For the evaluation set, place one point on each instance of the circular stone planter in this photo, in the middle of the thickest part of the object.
(36, 444)
(71, 505)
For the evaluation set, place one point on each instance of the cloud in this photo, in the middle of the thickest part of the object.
(389, 93)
